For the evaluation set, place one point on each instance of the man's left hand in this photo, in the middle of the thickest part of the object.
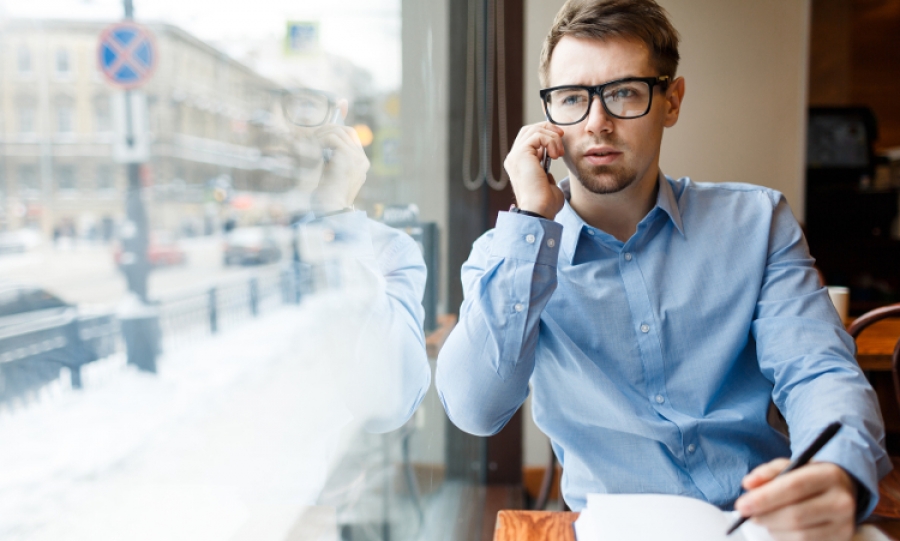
(815, 502)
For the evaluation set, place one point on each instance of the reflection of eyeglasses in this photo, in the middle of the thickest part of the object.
(623, 98)
(309, 108)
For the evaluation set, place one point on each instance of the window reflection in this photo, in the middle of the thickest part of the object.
(276, 383)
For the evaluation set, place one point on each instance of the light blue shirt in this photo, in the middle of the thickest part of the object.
(368, 281)
(653, 362)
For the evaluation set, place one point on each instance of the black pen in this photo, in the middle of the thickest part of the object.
(801, 460)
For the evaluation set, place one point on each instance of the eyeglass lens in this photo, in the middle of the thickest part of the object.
(307, 109)
(628, 99)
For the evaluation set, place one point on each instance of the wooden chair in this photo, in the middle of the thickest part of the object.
(889, 487)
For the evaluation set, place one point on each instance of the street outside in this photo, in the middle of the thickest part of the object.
(82, 272)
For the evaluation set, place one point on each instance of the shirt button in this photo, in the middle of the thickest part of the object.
(529, 239)
(519, 307)
(645, 328)
(691, 448)
(627, 257)
(551, 243)
(660, 399)
(591, 232)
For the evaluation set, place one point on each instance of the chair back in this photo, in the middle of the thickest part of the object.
(873, 316)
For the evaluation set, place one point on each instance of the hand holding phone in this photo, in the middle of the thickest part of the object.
(545, 161)
(528, 165)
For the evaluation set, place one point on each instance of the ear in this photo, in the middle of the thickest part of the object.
(674, 97)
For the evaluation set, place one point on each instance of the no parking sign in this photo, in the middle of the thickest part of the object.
(127, 54)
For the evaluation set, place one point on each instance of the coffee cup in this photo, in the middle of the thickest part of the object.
(840, 296)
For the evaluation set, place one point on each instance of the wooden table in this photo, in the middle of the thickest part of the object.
(557, 526)
(875, 345)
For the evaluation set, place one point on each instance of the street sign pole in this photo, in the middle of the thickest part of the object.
(137, 272)
(127, 57)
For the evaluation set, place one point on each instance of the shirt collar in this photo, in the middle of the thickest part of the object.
(573, 225)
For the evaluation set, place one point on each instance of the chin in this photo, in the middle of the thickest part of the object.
(603, 179)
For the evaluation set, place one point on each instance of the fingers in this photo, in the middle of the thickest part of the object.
(764, 473)
(536, 137)
(793, 487)
(814, 502)
(335, 132)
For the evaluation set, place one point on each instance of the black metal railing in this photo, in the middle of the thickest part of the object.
(34, 354)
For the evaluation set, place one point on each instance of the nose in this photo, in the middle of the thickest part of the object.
(598, 120)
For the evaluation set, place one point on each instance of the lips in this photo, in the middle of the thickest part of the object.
(601, 155)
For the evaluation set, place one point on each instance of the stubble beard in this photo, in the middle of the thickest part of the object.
(603, 179)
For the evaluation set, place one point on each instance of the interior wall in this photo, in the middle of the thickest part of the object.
(744, 113)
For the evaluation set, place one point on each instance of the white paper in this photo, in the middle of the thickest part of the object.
(655, 517)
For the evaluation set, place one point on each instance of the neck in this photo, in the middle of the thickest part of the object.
(616, 213)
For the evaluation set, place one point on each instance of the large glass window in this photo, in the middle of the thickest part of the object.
(251, 237)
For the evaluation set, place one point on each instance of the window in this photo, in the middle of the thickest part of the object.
(26, 119)
(65, 178)
(64, 116)
(63, 66)
(105, 179)
(23, 60)
(102, 117)
(28, 179)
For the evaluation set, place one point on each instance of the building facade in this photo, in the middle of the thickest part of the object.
(214, 126)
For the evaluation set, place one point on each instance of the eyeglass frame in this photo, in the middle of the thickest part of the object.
(661, 80)
(330, 116)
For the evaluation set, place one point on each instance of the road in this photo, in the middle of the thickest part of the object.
(85, 273)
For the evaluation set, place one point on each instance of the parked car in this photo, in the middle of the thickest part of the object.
(40, 334)
(16, 242)
(251, 246)
(162, 251)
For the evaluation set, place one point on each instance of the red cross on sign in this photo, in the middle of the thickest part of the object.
(127, 54)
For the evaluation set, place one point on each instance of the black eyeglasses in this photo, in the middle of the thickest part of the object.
(309, 108)
(623, 98)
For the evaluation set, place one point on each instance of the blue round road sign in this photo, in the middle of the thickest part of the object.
(127, 54)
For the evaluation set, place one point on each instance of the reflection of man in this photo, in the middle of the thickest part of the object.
(369, 301)
(655, 318)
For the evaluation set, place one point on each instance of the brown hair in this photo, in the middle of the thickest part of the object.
(602, 19)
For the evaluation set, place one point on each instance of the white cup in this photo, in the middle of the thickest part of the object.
(840, 296)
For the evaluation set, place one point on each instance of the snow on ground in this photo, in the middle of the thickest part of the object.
(230, 440)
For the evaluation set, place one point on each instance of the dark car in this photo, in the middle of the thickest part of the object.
(251, 246)
(40, 334)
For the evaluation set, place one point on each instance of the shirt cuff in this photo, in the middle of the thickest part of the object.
(527, 238)
(843, 452)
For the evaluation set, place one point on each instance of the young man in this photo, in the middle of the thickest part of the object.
(656, 318)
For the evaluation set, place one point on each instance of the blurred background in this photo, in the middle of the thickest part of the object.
(162, 372)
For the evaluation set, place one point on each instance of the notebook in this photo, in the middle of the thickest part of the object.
(651, 517)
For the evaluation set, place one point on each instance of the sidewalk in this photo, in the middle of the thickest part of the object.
(235, 432)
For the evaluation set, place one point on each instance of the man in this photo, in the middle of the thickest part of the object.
(655, 318)
(368, 281)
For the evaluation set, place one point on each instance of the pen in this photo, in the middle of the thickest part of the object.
(801, 460)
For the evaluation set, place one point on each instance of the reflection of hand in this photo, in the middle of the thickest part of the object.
(344, 173)
(535, 190)
(816, 501)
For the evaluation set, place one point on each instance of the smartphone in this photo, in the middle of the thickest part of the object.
(545, 161)
(336, 118)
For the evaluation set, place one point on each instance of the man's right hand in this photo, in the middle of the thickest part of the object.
(535, 190)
